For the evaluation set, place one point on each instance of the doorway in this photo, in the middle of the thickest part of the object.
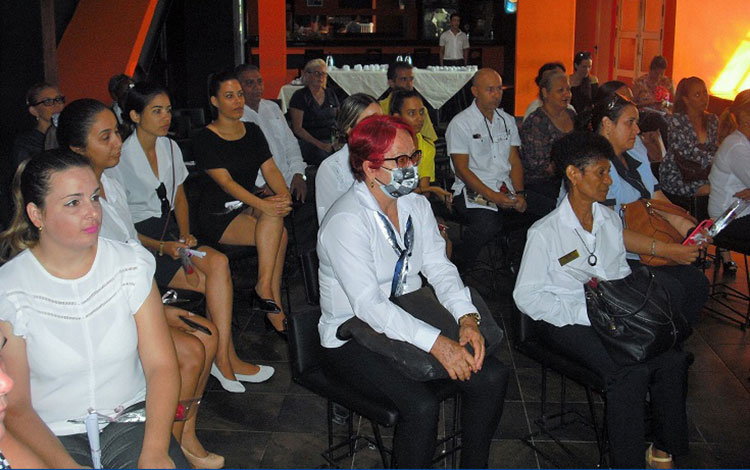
(639, 37)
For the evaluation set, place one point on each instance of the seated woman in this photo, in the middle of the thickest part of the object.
(88, 128)
(312, 111)
(544, 126)
(357, 261)
(583, 85)
(334, 176)
(43, 102)
(231, 152)
(730, 173)
(105, 349)
(551, 290)
(408, 105)
(616, 118)
(152, 172)
(654, 90)
(692, 141)
(537, 103)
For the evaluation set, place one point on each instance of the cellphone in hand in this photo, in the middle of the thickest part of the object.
(696, 236)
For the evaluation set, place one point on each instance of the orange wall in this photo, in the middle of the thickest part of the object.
(706, 36)
(103, 38)
(272, 46)
(545, 32)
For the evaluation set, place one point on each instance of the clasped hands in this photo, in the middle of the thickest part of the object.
(454, 356)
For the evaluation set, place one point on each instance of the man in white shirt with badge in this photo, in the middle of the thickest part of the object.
(483, 143)
(454, 44)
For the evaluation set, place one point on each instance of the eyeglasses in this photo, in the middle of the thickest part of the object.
(618, 99)
(49, 102)
(402, 161)
(318, 74)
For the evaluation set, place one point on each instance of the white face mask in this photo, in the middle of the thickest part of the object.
(403, 181)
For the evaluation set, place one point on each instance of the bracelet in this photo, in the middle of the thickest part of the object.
(653, 247)
(161, 248)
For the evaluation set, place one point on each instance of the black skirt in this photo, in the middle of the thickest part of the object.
(166, 266)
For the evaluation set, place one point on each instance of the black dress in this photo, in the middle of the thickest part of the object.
(317, 119)
(242, 158)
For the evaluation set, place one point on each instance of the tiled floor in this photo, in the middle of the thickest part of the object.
(279, 424)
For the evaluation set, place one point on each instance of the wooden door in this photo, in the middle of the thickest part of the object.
(638, 38)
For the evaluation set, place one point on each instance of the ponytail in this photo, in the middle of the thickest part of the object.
(729, 119)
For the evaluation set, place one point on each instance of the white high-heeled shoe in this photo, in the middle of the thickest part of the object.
(233, 386)
(265, 373)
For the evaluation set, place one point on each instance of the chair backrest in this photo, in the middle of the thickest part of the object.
(304, 341)
(310, 263)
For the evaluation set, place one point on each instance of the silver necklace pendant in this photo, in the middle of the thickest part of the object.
(592, 259)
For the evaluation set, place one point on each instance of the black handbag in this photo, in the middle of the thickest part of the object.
(633, 317)
(407, 358)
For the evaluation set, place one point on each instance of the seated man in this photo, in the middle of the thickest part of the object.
(483, 143)
(284, 148)
(401, 77)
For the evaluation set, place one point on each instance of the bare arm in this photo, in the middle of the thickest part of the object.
(516, 177)
(274, 178)
(273, 206)
(20, 417)
(301, 132)
(182, 212)
(641, 244)
(159, 360)
(681, 224)
(442, 54)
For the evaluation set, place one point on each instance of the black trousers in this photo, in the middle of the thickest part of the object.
(688, 288)
(415, 433)
(664, 376)
(483, 226)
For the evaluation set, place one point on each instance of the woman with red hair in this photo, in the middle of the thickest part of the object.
(373, 244)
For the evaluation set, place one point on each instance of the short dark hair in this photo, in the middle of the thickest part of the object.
(76, 120)
(117, 85)
(607, 88)
(454, 14)
(658, 63)
(216, 79)
(397, 100)
(32, 96)
(242, 68)
(395, 67)
(579, 149)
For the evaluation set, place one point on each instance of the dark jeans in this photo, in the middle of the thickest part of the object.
(687, 286)
(121, 445)
(664, 376)
(541, 197)
(482, 225)
(415, 434)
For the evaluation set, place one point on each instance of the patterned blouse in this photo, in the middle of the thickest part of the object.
(647, 92)
(538, 133)
(683, 144)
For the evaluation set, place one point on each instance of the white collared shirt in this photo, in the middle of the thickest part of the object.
(334, 178)
(357, 265)
(552, 290)
(488, 150)
(117, 224)
(139, 181)
(730, 173)
(281, 141)
(454, 44)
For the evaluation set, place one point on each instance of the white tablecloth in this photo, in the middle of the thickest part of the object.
(437, 86)
(285, 95)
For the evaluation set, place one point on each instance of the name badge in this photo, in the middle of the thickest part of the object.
(565, 259)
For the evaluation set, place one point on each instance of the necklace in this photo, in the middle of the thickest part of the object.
(592, 257)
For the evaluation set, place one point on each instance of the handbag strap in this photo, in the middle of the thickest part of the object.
(174, 191)
(669, 208)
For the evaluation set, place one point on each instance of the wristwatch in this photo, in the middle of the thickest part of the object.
(475, 316)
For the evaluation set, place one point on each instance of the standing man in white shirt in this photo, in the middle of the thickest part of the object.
(483, 143)
(454, 44)
(285, 151)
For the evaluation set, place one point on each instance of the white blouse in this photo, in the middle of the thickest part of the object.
(334, 178)
(357, 264)
(80, 334)
(555, 263)
(730, 173)
(136, 175)
(116, 221)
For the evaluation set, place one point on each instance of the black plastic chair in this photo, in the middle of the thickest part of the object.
(529, 344)
(306, 355)
(721, 292)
